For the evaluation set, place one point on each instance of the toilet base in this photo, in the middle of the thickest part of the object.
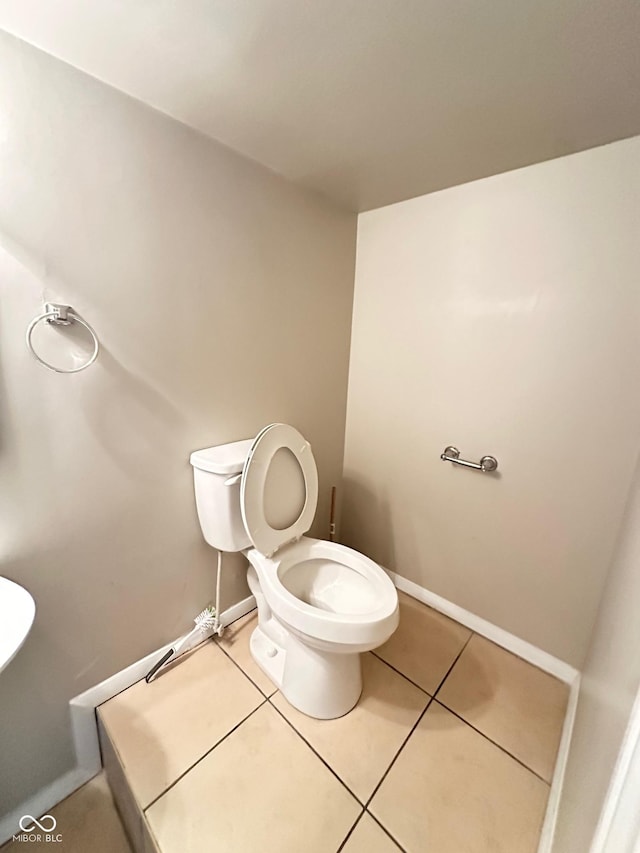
(269, 655)
(321, 684)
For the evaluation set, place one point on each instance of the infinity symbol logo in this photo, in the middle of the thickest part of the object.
(24, 823)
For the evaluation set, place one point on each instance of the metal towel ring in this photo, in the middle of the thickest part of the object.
(62, 315)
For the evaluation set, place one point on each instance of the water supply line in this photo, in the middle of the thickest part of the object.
(206, 623)
(218, 628)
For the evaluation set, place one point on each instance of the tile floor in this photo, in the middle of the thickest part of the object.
(87, 821)
(450, 749)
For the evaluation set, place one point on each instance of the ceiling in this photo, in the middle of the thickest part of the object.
(366, 101)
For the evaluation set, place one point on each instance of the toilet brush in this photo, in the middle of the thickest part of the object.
(205, 621)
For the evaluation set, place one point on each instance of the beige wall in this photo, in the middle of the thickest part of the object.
(222, 296)
(501, 317)
(610, 681)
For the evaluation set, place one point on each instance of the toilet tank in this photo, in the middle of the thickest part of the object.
(216, 475)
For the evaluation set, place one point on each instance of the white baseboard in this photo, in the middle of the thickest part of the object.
(618, 824)
(527, 651)
(532, 654)
(553, 803)
(85, 731)
(237, 611)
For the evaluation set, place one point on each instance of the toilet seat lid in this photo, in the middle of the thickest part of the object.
(279, 488)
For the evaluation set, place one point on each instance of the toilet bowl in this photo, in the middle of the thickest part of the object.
(333, 603)
(320, 604)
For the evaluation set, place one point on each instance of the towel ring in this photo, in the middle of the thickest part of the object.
(61, 315)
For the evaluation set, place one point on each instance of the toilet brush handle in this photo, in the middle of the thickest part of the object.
(165, 657)
(205, 622)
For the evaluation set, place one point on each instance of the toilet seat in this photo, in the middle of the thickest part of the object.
(363, 599)
(256, 500)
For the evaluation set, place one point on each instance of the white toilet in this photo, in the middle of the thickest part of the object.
(320, 604)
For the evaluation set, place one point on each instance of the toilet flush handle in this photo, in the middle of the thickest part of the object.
(233, 480)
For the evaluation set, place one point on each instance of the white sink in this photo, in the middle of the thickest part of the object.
(17, 609)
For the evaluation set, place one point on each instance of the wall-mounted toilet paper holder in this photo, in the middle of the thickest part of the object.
(487, 464)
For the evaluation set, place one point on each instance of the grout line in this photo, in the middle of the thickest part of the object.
(267, 700)
(385, 830)
(435, 697)
(204, 755)
(415, 684)
(246, 675)
(348, 835)
(414, 727)
(442, 704)
(495, 743)
(406, 677)
(316, 753)
(115, 747)
(394, 759)
(448, 672)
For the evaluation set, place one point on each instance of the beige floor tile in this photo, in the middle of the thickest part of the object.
(128, 810)
(261, 789)
(235, 642)
(87, 820)
(367, 837)
(161, 729)
(361, 745)
(515, 704)
(425, 644)
(451, 790)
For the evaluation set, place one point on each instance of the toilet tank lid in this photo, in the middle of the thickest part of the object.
(222, 459)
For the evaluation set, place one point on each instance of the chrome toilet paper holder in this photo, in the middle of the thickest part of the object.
(487, 464)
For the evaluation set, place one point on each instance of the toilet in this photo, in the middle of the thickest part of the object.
(320, 604)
